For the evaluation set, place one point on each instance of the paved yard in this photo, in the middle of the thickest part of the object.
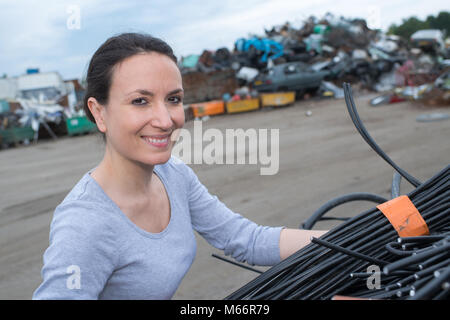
(321, 156)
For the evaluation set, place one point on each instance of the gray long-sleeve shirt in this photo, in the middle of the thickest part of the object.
(97, 252)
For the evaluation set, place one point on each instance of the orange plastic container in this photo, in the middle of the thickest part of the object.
(242, 105)
(208, 108)
(277, 99)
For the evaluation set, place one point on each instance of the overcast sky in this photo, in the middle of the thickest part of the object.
(62, 35)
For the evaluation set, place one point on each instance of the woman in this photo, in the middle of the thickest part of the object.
(125, 231)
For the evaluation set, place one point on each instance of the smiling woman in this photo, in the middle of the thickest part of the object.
(146, 90)
(125, 231)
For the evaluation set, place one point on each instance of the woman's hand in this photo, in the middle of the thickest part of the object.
(292, 240)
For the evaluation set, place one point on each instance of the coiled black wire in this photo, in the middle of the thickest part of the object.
(363, 132)
(318, 272)
(357, 196)
(323, 268)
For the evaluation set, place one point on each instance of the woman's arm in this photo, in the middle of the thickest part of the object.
(239, 237)
(81, 255)
(292, 240)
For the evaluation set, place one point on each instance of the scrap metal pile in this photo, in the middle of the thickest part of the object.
(340, 49)
(38, 105)
(403, 242)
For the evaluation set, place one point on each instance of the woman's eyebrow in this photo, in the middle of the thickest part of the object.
(142, 91)
(175, 91)
(151, 94)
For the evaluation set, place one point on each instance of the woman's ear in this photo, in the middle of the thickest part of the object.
(98, 112)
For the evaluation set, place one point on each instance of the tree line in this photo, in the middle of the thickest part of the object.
(410, 25)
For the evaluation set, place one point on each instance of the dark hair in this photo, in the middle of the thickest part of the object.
(111, 52)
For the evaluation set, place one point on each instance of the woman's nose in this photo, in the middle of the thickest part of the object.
(161, 117)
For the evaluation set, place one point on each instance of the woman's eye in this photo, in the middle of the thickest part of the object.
(175, 100)
(139, 101)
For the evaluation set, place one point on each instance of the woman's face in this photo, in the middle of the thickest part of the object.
(145, 106)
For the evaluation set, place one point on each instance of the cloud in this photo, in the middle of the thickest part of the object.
(31, 27)
(223, 26)
(34, 33)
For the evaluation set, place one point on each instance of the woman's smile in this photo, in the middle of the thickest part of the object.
(161, 141)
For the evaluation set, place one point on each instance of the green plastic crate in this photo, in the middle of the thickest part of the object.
(80, 125)
(4, 106)
(16, 135)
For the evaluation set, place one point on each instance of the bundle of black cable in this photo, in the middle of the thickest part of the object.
(422, 271)
(322, 269)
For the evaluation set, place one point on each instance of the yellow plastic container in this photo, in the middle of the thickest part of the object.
(208, 108)
(242, 105)
(277, 99)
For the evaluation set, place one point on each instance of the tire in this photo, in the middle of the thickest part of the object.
(299, 94)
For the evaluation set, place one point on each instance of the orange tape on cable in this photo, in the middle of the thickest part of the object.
(404, 217)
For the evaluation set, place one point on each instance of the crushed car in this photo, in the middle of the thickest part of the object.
(292, 76)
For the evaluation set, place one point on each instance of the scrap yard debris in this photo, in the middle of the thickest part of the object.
(274, 69)
(321, 55)
(38, 105)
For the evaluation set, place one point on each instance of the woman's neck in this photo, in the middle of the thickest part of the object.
(123, 177)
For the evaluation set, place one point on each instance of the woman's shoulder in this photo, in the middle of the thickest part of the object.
(85, 202)
(86, 189)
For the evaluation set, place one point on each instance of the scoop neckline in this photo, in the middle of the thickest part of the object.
(143, 232)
